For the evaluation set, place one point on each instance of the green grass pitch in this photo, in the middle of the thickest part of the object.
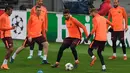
(23, 65)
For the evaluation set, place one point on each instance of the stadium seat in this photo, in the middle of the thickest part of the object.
(79, 7)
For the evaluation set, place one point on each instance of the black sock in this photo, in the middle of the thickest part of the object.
(74, 52)
(40, 47)
(90, 52)
(99, 52)
(32, 46)
(60, 53)
(123, 46)
(114, 46)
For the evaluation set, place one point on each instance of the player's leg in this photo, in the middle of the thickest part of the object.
(74, 51)
(90, 52)
(124, 49)
(93, 45)
(25, 44)
(45, 50)
(16, 53)
(123, 44)
(114, 39)
(40, 50)
(59, 55)
(9, 46)
(31, 50)
(66, 43)
(60, 52)
(43, 44)
(99, 52)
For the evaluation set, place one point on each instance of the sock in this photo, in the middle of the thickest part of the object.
(14, 55)
(31, 52)
(5, 61)
(39, 53)
(45, 57)
(124, 54)
(103, 67)
(114, 54)
(93, 57)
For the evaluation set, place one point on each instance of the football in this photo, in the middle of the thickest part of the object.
(69, 66)
(40, 71)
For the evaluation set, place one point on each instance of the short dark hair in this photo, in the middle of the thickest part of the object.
(8, 8)
(66, 11)
(93, 10)
(38, 7)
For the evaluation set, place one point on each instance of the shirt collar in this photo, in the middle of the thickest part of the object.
(97, 15)
(6, 14)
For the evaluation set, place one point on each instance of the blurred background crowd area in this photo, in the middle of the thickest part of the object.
(75, 6)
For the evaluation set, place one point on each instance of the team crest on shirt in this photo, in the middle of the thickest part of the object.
(70, 24)
(41, 19)
(119, 11)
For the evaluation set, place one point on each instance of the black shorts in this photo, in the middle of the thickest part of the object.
(39, 40)
(98, 45)
(71, 42)
(117, 35)
(8, 42)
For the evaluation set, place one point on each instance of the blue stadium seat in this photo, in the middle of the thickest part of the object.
(79, 7)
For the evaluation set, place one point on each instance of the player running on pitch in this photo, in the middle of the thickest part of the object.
(34, 28)
(5, 34)
(100, 28)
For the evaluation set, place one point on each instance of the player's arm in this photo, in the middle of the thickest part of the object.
(2, 25)
(109, 16)
(94, 26)
(111, 26)
(29, 26)
(81, 26)
(126, 18)
(108, 22)
(46, 21)
(93, 30)
(44, 31)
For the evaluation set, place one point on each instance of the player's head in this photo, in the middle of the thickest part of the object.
(93, 12)
(8, 10)
(66, 13)
(40, 2)
(38, 10)
(116, 3)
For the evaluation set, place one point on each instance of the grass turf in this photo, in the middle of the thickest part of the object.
(23, 65)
